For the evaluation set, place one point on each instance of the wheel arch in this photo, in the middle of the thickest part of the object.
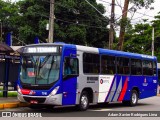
(136, 89)
(90, 93)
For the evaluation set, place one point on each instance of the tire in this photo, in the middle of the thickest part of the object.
(133, 99)
(84, 101)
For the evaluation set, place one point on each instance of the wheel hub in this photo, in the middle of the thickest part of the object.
(134, 98)
(84, 101)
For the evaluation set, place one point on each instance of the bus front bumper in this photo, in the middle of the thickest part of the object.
(50, 100)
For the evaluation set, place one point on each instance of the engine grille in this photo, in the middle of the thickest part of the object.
(39, 100)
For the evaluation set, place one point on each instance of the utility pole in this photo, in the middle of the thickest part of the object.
(153, 41)
(51, 22)
(111, 31)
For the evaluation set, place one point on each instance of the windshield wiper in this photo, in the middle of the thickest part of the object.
(50, 69)
(41, 66)
(36, 69)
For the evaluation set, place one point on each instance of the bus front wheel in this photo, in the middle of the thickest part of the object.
(84, 101)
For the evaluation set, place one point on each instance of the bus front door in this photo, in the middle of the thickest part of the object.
(70, 73)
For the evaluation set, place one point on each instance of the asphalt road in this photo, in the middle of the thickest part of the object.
(98, 112)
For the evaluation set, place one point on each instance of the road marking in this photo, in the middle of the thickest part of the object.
(99, 109)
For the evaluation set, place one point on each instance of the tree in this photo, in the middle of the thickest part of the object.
(138, 4)
(80, 18)
(156, 25)
(75, 22)
(138, 39)
(9, 18)
(34, 17)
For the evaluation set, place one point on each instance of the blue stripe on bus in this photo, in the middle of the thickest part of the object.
(110, 89)
(117, 84)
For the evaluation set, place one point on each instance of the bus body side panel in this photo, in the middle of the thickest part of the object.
(146, 85)
(86, 81)
(118, 89)
(149, 87)
(69, 85)
(107, 87)
(133, 82)
(121, 87)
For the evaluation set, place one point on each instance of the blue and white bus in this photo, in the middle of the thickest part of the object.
(58, 74)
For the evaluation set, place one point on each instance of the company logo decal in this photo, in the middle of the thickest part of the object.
(101, 81)
(154, 81)
(145, 82)
(32, 92)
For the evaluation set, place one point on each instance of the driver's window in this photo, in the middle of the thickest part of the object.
(70, 66)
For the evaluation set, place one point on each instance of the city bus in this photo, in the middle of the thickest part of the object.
(59, 74)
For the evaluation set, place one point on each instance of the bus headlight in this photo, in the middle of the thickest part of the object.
(54, 91)
(19, 90)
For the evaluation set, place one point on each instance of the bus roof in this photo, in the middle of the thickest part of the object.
(100, 50)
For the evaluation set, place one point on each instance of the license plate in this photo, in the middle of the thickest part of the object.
(34, 102)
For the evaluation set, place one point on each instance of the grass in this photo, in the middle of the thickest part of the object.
(10, 94)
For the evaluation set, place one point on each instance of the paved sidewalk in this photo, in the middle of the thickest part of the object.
(8, 99)
(11, 102)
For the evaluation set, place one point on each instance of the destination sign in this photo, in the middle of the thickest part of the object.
(52, 49)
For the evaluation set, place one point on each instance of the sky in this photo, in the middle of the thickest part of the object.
(138, 16)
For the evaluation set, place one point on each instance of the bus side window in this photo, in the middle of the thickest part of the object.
(136, 67)
(70, 66)
(74, 65)
(147, 67)
(154, 69)
(107, 64)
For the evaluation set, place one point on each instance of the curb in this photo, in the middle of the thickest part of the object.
(13, 105)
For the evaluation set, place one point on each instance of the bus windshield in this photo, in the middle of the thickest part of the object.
(36, 70)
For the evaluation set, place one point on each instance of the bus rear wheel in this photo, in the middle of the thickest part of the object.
(133, 99)
(84, 101)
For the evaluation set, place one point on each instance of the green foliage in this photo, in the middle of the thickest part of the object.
(75, 21)
(124, 22)
(10, 94)
(142, 3)
(138, 39)
(9, 17)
